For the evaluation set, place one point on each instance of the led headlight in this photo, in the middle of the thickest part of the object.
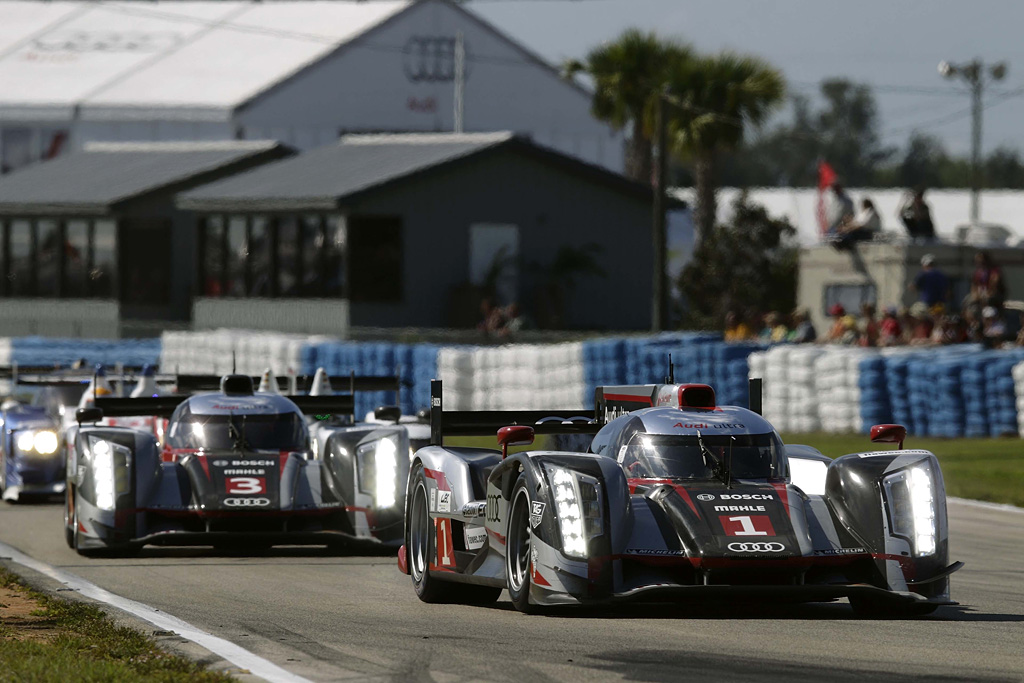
(910, 495)
(578, 507)
(43, 441)
(377, 467)
(110, 464)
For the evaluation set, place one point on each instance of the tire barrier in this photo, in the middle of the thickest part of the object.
(952, 391)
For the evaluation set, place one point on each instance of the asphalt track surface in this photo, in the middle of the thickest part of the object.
(328, 617)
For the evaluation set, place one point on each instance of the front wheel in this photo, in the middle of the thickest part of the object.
(70, 517)
(518, 561)
(420, 545)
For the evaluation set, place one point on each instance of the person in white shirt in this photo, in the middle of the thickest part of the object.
(862, 227)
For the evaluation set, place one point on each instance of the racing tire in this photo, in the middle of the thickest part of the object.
(869, 607)
(70, 519)
(420, 546)
(518, 537)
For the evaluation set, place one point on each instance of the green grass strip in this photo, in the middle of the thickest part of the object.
(88, 646)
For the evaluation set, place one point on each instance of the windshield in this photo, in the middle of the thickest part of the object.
(280, 432)
(651, 456)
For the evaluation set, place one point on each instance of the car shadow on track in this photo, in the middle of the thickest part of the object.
(839, 610)
(255, 551)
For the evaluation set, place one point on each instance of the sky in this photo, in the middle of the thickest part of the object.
(893, 45)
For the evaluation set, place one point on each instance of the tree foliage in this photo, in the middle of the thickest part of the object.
(749, 265)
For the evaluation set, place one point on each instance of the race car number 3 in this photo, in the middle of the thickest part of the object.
(246, 485)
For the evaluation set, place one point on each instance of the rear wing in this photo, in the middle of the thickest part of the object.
(352, 382)
(164, 406)
(487, 422)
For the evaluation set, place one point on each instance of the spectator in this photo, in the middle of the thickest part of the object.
(987, 285)
(931, 284)
(850, 335)
(839, 211)
(735, 328)
(861, 228)
(993, 327)
(949, 329)
(921, 324)
(514, 320)
(774, 329)
(868, 326)
(835, 332)
(917, 217)
(492, 318)
(973, 329)
(803, 331)
(890, 332)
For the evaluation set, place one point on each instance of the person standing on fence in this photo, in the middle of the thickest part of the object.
(917, 217)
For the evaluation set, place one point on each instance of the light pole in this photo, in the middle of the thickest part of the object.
(975, 74)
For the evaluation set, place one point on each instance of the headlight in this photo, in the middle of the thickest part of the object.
(110, 469)
(910, 494)
(578, 506)
(377, 468)
(43, 441)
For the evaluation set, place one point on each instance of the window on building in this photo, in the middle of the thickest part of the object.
(375, 258)
(76, 265)
(103, 273)
(238, 256)
(211, 257)
(335, 248)
(21, 272)
(260, 257)
(849, 296)
(312, 256)
(48, 257)
(288, 256)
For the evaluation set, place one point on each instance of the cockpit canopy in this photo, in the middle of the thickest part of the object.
(255, 423)
(703, 455)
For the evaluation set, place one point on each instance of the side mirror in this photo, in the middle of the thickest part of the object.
(889, 434)
(88, 415)
(514, 435)
(387, 413)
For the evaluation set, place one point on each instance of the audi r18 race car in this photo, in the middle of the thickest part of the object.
(234, 465)
(31, 448)
(677, 498)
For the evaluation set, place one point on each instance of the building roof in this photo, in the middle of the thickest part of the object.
(326, 178)
(106, 174)
(200, 58)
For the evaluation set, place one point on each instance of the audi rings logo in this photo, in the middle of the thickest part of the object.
(251, 503)
(429, 59)
(705, 496)
(756, 547)
(220, 463)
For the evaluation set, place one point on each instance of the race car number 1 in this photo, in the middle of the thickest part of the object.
(246, 485)
(747, 525)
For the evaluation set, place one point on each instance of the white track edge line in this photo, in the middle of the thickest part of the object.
(970, 502)
(235, 654)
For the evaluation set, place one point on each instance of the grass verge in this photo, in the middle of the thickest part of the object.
(49, 639)
(983, 469)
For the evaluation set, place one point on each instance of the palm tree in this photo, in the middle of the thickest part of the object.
(628, 73)
(714, 100)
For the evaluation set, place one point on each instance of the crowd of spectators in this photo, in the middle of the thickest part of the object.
(981, 317)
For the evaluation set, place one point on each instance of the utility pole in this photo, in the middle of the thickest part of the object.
(659, 314)
(974, 73)
(460, 80)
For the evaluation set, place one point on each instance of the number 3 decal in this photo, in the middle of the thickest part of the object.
(246, 485)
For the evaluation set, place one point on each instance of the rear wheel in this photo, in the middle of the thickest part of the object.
(869, 607)
(517, 549)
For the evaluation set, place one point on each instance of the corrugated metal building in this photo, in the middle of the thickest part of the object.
(301, 72)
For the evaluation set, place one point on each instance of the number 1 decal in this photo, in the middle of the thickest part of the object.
(747, 525)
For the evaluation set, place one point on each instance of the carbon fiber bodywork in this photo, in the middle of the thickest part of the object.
(869, 526)
(339, 488)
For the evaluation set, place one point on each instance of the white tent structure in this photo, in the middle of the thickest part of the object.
(949, 209)
(301, 72)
